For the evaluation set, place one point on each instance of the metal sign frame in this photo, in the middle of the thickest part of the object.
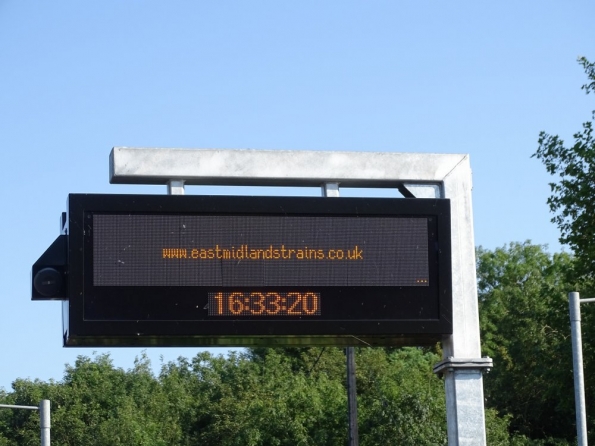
(443, 175)
(413, 174)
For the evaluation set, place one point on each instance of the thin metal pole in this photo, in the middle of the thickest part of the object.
(332, 190)
(352, 397)
(577, 365)
(44, 421)
(12, 406)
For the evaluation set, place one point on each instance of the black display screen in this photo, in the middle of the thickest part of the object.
(260, 250)
(221, 270)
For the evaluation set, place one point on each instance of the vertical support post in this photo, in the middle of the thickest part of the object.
(574, 304)
(332, 190)
(44, 422)
(465, 413)
(175, 187)
(352, 397)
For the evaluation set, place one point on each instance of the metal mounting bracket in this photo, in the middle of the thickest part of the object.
(451, 364)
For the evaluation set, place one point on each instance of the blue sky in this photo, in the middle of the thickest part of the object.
(77, 78)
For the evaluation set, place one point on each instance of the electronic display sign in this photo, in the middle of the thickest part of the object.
(223, 270)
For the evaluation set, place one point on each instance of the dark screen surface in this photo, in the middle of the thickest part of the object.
(259, 250)
(221, 270)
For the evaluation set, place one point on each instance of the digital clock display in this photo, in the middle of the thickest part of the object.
(264, 303)
(163, 269)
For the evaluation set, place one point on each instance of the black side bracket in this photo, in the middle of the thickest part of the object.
(49, 273)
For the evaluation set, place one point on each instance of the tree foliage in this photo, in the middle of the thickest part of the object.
(572, 199)
(268, 397)
(526, 329)
(402, 401)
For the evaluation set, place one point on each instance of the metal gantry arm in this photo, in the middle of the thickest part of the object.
(44, 418)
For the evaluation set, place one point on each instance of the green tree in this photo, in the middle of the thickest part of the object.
(525, 328)
(95, 404)
(401, 401)
(262, 397)
(275, 397)
(267, 403)
(572, 200)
